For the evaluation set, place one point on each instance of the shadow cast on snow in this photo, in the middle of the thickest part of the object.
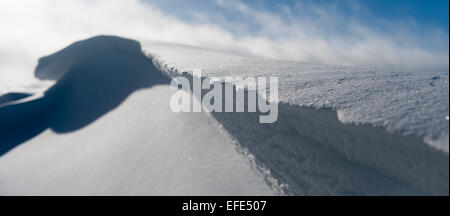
(93, 77)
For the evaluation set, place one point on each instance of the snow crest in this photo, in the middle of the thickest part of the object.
(409, 102)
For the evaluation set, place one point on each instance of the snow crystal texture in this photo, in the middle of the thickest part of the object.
(409, 102)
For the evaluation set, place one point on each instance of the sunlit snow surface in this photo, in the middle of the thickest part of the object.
(410, 102)
(140, 148)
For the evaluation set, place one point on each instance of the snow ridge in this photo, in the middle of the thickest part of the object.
(310, 150)
(409, 102)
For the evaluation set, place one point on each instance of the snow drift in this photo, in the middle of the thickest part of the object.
(105, 127)
(409, 102)
(341, 129)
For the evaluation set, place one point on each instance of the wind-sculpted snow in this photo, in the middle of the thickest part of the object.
(105, 128)
(309, 151)
(410, 102)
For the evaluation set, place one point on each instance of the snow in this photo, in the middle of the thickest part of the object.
(140, 148)
(410, 102)
(105, 128)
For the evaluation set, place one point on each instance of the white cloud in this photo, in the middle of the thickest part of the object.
(311, 37)
(31, 29)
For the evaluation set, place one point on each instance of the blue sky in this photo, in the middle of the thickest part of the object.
(425, 13)
(431, 12)
(425, 23)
